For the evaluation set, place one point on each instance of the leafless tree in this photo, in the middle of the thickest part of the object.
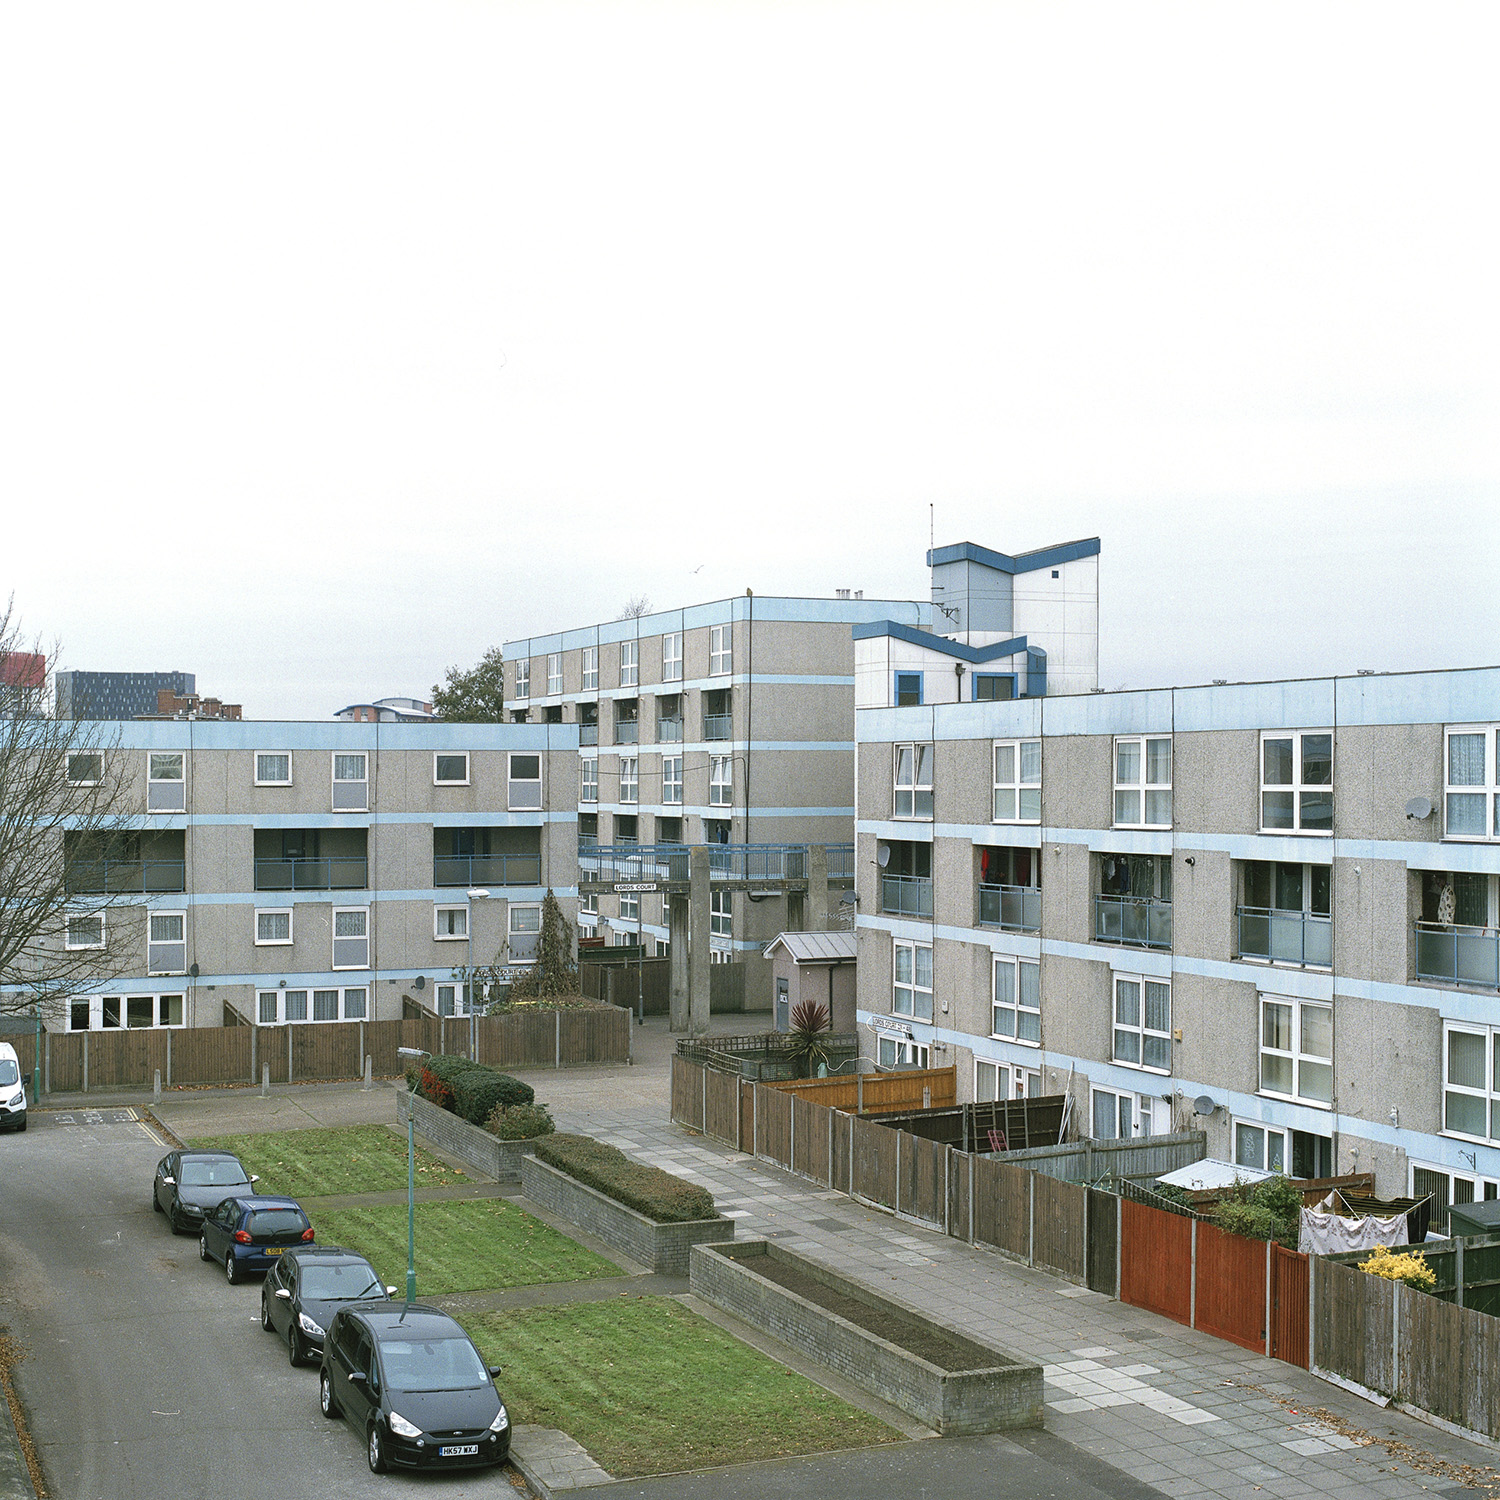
(70, 876)
(635, 608)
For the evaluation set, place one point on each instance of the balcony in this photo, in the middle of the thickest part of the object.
(747, 864)
(1269, 936)
(718, 726)
(906, 895)
(1458, 955)
(627, 732)
(588, 734)
(1133, 921)
(123, 877)
(840, 861)
(669, 731)
(486, 869)
(1011, 908)
(347, 873)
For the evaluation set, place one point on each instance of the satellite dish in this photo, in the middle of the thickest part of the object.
(1203, 1105)
(420, 982)
(1419, 807)
(882, 855)
(193, 971)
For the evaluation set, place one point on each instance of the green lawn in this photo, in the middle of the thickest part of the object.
(462, 1246)
(317, 1163)
(651, 1388)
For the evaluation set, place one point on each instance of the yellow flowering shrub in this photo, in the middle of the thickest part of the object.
(1409, 1268)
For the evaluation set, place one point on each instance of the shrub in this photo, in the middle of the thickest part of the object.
(468, 1089)
(519, 1122)
(648, 1190)
(1271, 1210)
(809, 1036)
(1410, 1268)
(430, 1086)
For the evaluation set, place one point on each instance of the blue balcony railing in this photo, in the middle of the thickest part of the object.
(1458, 955)
(588, 734)
(744, 863)
(486, 869)
(906, 895)
(669, 731)
(1011, 908)
(840, 861)
(348, 873)
(1285, 937)
(116, 877)
(627, 731)
(1134, 921)
(718, 726)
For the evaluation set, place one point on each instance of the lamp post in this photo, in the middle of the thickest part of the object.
(411, 1180)
(474, 895)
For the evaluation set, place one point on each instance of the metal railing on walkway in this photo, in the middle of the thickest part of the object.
(1011, 908)
(112, 877)
(487, 869)
(350, 873)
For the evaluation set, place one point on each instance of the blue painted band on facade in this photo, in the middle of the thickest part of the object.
(1025, 562)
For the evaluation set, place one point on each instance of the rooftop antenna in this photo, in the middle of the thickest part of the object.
(931, 525)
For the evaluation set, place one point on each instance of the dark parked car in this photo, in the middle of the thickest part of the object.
(412, 1384)
(190, 1183)
(252, 1233)
(304, 1289)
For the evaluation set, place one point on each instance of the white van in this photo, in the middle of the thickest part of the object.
(12, 1090)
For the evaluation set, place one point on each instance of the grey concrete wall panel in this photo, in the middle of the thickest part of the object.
(1216, 781)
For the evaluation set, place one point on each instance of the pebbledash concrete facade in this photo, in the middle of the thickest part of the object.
(1265, 909)
(319, 871)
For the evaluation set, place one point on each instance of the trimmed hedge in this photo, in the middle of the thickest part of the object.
(468, 1089)
(648, 1190)
(519, 1122)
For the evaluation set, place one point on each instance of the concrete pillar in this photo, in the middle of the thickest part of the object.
(677, 933)
(698, 940)
(817, 888)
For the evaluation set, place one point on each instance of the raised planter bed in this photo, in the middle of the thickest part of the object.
(477, 1148)
(662, 1247)
(949, 1382)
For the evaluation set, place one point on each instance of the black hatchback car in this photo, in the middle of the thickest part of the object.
(409, 1380)
(306, 1287)
(188, 1184)
(253, 1233)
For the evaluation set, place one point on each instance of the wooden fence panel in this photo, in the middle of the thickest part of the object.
(1104, 1242)
(328, 1051)
(1353, 1324)
(213, 1054)
(843, 1153)
(1288, 1310)
(721, 1119)
(746, 1139)
(126, 1059)
(272, 1050)
(64, 1056)
(897, 1091)
(1002, 1206)
(810, 1139)
(774, 1127)
(1434, 1355)
(381, 1040)
(920, 1177)
(957, 1169)
(1156, 1260)
(874, 1167)
(1058, 1238)
(1231, 1300)
(687, 1093)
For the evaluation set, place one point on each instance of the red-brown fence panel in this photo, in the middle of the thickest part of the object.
(1289, 1306)
(1156, 1260)
(1231, 1302)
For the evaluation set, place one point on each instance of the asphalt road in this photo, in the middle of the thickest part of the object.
(149, 1377)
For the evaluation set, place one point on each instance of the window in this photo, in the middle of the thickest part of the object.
(133, 1012)
(273, 929)
(554, 672)
(1018, 781)
(450, 770)
(351, 937)
(1120, 1116)
(588, 772)
(1016, 1009)
(894, 1053)
(630, 779)
(715, 831)
(625, 828)
(630, 906)
(998, 1080)
(669, 719)
(1134, 904)
(452, 999)
(630, 663)
(627, 721)
(1267, 1148)
(85, 769)
(1449, 1189)
(273, 768)
(671, 656)
(588, 904)
(524, 926)
(450, 923)
(1285, 918)
(85, 932)
(275, 1006)
(720, 650)
(994, 687)
(523, 678)
(1296, 782)
(166, 942)
(525, 781)
(912, 986)
(908, 689)
(720, 781)
(1143, 1023)
(1296, 1049)
(913, 781)
(720, 914)
(1471, 1081)
(165, 782)
(671, 779)
(351, 782)
(1471, 790)
(1143, 782)
(590, 663)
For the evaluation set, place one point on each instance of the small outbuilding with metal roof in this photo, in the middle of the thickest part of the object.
(814, 966)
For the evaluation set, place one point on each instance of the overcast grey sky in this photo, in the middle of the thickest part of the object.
(342, 341)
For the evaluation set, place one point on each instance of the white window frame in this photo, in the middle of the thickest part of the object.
(630, 779)
(289, 912)
(630, 906)
(263, 780)
(1488, 1092)
(122, 999)
(514, 782)
(1150, 800)
(588, 903)
(1007, 970)
(671, 780)
(349, 937)
(515, 928)
(589, 668)
(308, 997)
(1020, 1082)
(523, 678)
(102, 941)
(164, 801)
(441, 755)
(720, 650)
(554, 673)
(893, 1051)
(1143, 1106)
(1478, 1183)
(337, 781)
(1015, 798)
(912, 780)
(443, 916)
(630, 663)
(588, 778)
(721, 781)
(907, 995)
(158, 962)
(450, 997)
(671, 656)
(1297, 789)
(96, 756)
(1295, 1055)
(1152, 1038)
(1485, 791)
(721, 915)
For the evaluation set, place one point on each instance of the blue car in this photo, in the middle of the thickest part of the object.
(252, 1233)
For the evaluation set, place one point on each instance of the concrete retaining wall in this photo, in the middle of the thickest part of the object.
(475, 1147)
(1007, 1394)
